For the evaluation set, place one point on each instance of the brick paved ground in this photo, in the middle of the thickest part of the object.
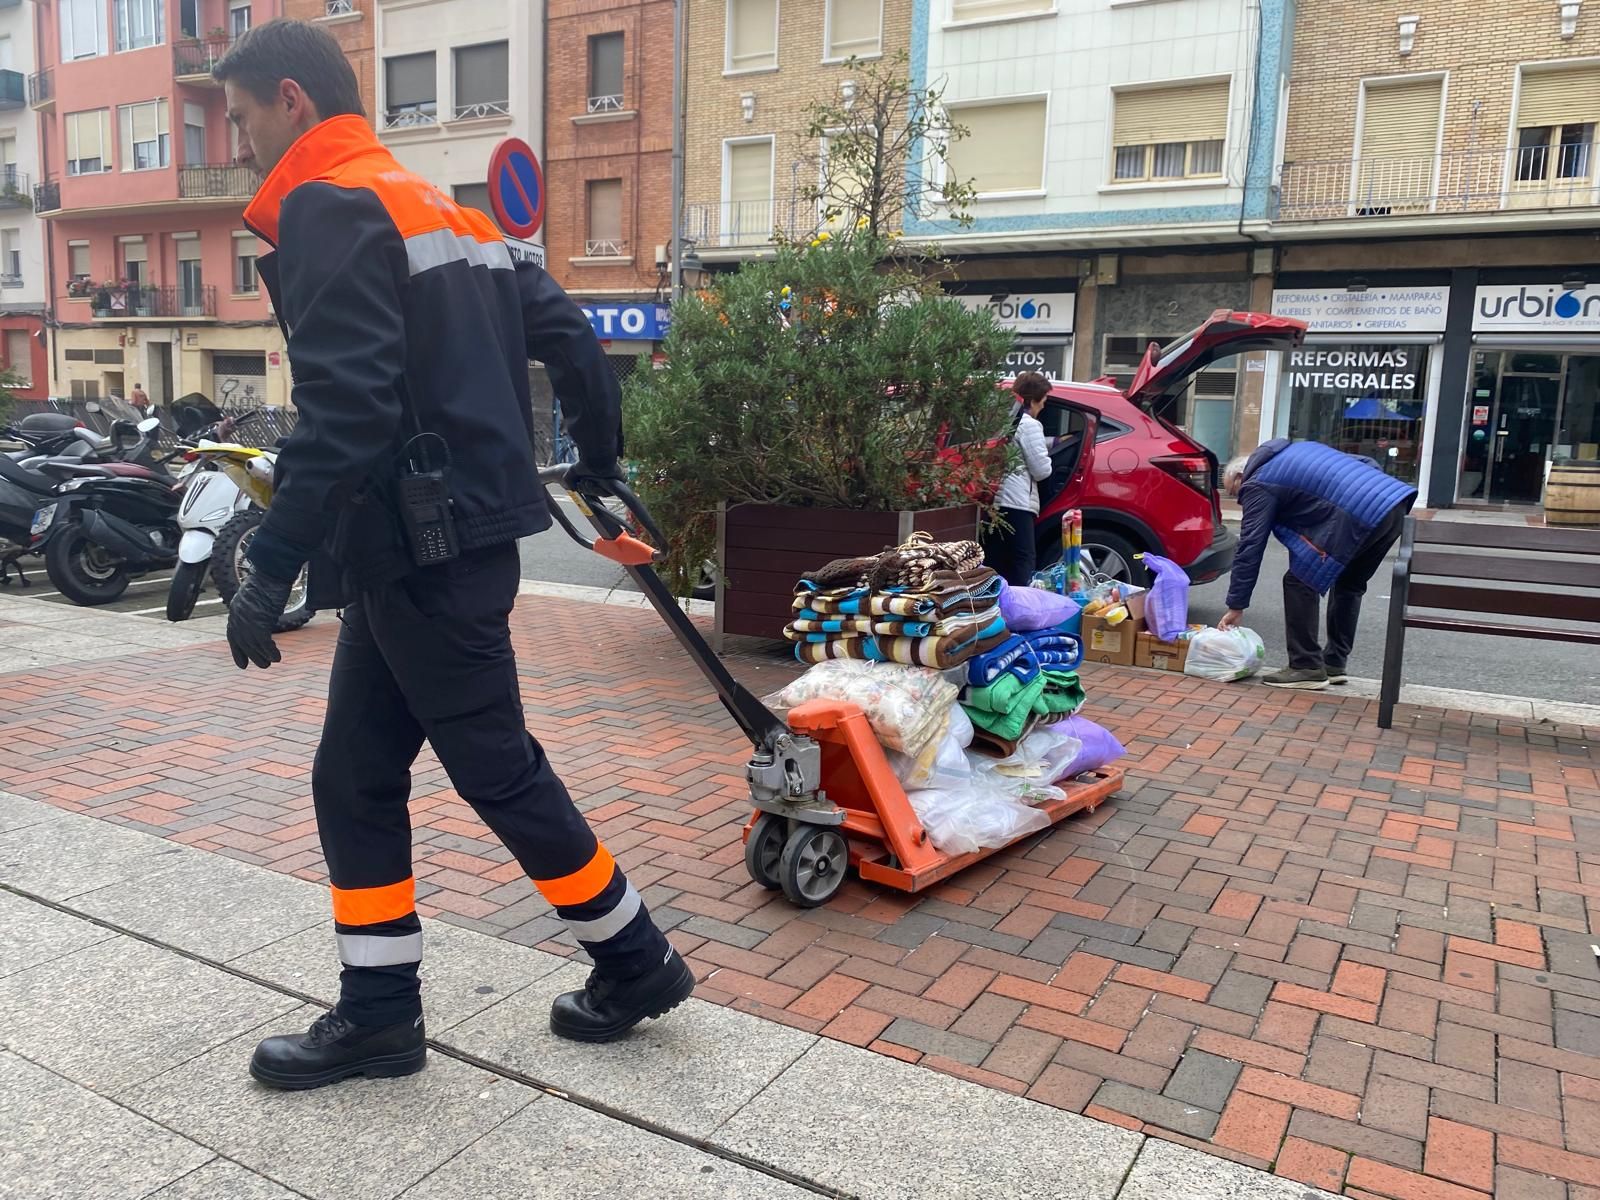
(1360, 958)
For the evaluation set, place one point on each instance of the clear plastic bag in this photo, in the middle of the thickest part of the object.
(947, 766)
(1166, 605)
(1040, 759)
(962, 820)
(1225, 654)
(908, 707)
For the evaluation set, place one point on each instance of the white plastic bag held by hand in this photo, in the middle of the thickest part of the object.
(1225, 654)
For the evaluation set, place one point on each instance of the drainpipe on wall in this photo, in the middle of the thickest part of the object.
(679, 13)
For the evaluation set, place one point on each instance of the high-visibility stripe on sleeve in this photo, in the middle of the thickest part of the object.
(583, 885)
(614, 922)
(372, 950)
(368, 906)
(436, 247)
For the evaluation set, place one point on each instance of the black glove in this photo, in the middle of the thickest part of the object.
(594, 477)
(252, 618)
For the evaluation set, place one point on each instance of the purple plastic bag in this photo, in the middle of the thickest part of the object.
(1166, 607)
(1026, 609)
(1100, 748)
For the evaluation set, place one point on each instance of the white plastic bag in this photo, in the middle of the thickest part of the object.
(1225, 654)
(960, 821)
(946, 767)
(908, 707)
(1041, 758)
(961, 726)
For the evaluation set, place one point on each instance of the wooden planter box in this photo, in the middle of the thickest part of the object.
(763, 549)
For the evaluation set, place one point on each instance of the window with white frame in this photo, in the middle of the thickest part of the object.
(135, 260)
(410, 91)
(78, 266)
(854, 29)
(483, 87)
(603, 237)
(83, 28)
(747, 184)
(139, 23)
(11, 257)
(1167, 133)
(1557, 112)
(1004, 147)
(752, 43)
(245, 280)
(997, 10)
(191, 283)
(146, 141)
(238, 18)
(88, 141)
(19, 356)
(194, 134)
(605, 72)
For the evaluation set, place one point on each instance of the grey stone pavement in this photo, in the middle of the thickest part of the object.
(136, 975)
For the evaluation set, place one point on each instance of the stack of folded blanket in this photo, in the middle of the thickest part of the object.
(1026, 678)
(925, 604)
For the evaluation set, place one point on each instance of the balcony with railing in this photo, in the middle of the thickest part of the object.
(42, 89)
(216, 181)
(47, 196)
(483, 110)
(16, 189)
(1455, 183)
(748, 223)
(605, 104)
(138, 301)
(412, 116)
(193, 58)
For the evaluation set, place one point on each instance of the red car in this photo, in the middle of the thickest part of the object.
(1142, 483)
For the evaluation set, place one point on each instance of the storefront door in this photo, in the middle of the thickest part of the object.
(1528, 408)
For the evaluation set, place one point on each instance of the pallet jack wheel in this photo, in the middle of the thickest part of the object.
(813, 864)
(763, 850)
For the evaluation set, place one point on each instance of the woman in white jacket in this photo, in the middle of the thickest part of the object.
(1009, 544)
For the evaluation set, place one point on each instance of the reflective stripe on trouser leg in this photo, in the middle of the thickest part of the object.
(379, 937)
(378, 950)
(606, 914)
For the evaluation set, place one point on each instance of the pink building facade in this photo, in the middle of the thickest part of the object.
(152, 271)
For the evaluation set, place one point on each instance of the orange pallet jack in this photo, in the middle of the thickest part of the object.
(824, 795)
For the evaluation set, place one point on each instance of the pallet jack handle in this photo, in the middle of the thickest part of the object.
(637, 557)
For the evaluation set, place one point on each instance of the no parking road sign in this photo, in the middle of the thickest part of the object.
(516, 188)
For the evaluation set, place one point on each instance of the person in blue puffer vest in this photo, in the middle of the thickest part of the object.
(1338, 515)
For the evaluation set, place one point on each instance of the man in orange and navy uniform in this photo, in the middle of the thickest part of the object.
(405, 317)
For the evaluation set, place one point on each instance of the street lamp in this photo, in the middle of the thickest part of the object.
(693, 276)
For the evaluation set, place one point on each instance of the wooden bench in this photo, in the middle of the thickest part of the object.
(1559, 568)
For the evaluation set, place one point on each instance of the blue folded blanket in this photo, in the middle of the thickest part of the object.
(1055, 650)
(1014, 655)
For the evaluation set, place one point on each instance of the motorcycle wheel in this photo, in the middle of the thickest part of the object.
(187, 582)
(81, 571)
(230, 568)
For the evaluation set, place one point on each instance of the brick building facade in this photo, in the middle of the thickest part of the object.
(351, 24)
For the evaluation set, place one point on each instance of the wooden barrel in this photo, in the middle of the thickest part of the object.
(1572, 496)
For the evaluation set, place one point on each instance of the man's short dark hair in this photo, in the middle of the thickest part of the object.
(283, 49)
(1031, 386)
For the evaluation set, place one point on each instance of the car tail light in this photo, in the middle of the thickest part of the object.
(1191, 469)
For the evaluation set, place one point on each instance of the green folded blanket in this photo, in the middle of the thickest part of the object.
(1004, 706)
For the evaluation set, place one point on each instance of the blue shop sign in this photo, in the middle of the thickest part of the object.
(629, 322)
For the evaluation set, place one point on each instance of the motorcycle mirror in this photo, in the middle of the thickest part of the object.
(149, 425)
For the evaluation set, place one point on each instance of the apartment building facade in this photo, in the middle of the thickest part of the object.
(22, 260)
(1436, 206)
(153, 276)
(452, 79)
(608, 165)
(752, 67)
(351, 23)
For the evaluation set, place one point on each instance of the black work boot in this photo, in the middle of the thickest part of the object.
(607, 1008)
(335, 1048)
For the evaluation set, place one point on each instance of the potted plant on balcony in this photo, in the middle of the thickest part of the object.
(798, 413)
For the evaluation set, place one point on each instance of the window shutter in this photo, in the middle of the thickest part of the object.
(409, 79)
(1004, 147)
(750, 172)
(605, 65)
(854, 27)
(134, 252)
(189, 249)
(605, 210)
(1559, 97)
(980, 10)
(73, 140)
(751, 43)
(1401, 120)
(1194, 112)
(144, 122)
(244, 245)
(483, 75)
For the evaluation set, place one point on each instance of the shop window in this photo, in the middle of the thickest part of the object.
(1368, 399)
(1004, 147)
(1399, 145)
(605, 72)
(752, 43)
(410, 91)
(854, 29)
(482, 81)
(1169, 133)
(994, 10)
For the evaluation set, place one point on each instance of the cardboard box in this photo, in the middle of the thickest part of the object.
(1151, 651)
(1105, 643)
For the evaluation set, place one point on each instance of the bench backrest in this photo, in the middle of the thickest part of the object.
(1564, 588)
